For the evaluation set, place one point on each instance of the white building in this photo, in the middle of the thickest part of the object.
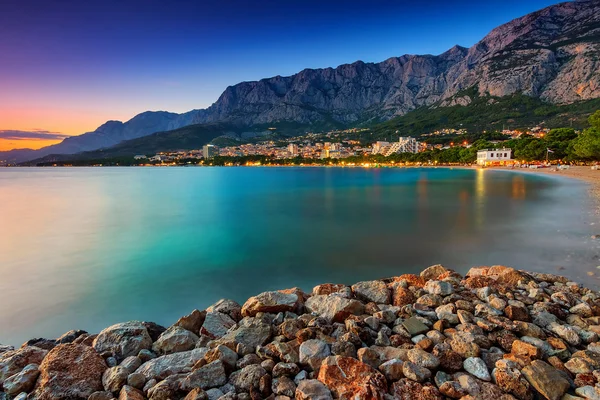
(379, 146)
(292, 149)
(210, 151)
(139, 157)
(403, 145)
(494, 157)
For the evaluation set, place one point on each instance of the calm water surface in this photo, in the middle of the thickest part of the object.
(88, 247)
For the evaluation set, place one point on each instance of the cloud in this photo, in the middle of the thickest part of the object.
(8, 134)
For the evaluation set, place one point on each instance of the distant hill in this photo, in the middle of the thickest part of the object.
(552, 55)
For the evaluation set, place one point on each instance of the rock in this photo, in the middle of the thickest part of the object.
(312, 389)
(545, 379)
(214, 394)
(70, 336)
(423, 358)
(476, 367)
(406, 389)
(313, 352)
(588, 392)
(246, 378)
(372, 291)
(216, 324)
(512, 381)
(154, 329)
(251, 332)
(333, 307)
(210, 376)
(329, 288)
(229, 307)
(270, 302)
(197, 394)
(227, 356)
(175, 340)
(465, 348)
(23, 381)
(414, 372)
(5, 348)
(101, 395)
(161, 367)
(403, 297)
(433, 272)
(414, 326)
(136, 380)
(285, 369)
(192, 322)
(453, 390)
(392, 369)
(123, 340)
(349, 378)
(68, 372)
(130, 393)
(283, 386)
(13, 361)
(114, 379)
(439, 287)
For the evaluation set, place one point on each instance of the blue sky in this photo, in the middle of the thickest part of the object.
(69, 65)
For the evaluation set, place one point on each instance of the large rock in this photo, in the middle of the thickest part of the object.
(174, 340)
(70, 372)
(349, 378)
(227, 306)
(312, 389)
(433, 272)
(251, 332)
(372, 291)
(13, 361)
(210, 376)
(161, 367)
(546, 379)
(333, 307)
(270, 302)
(192, 322)
(114, 379)
(248, 377)
(123, 340)
(24, 381)
(216, 324)
(313, 352)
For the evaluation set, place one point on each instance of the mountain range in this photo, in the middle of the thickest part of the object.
(552, 55)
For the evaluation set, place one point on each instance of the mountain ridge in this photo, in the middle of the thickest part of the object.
(551, 54)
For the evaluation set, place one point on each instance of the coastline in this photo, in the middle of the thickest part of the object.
(497, 332)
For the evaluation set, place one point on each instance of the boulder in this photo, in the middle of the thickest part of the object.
(546, 379)
(476, 367)
(350, 378)
(247, 378)
(439, 287)
(405, 389)
(270, 302)
(433, 272)
(227, 306)
(372, 291)
(174, 340)
(312, 389)
(333, 307)
(130, 393)
(13, 361)
(313, 352)
(23, 381)
(210, 376)
(216, 324)
(250, 332)
(123, 340)
(161, 367)
(114, 379)
(70, 336)
(69, 372)
(192, 322)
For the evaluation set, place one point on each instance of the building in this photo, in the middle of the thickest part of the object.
(494, 157)
(210, 151)
(292, 149)
(378, 147)
(139, 157)
(403, 145)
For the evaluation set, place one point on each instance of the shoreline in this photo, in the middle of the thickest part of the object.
(497, 332)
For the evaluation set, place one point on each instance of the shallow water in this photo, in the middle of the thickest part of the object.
(83, 248)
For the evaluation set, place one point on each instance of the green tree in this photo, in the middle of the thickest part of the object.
(587, 145)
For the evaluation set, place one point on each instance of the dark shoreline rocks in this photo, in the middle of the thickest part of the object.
(497, 333)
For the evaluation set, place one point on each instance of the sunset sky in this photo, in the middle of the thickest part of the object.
(67, 66)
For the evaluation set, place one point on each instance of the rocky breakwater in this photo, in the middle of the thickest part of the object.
(497, 333)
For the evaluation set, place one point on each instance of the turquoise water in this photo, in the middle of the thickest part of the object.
(87, 247)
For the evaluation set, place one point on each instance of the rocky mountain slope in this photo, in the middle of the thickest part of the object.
(552, 54)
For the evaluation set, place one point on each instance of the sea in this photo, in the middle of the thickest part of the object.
(84, 248)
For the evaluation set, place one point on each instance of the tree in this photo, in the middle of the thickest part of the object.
(594, 120)
(587, 145)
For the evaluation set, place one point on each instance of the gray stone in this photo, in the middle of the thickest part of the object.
(216, 324)
(210, 376)
(372, 291)
(123, 340)
(476, 367)
(170, 364)
(414, 326)
(246, 378)
(175, 340)
(414, 372)
(22, 381)
(312, 389)
(114, 379)
(250, 332)
(439, 287)
(334, 307)
(313, 352)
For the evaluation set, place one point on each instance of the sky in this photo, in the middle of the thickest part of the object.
(67, 66)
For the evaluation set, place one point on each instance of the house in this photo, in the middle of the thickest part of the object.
(494, 157)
